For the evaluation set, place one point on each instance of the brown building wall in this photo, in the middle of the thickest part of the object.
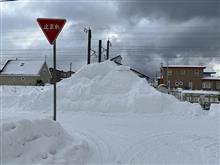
(184, 75)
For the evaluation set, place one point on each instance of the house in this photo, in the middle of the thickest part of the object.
(188, 77)
(182, 76)
(60, 74)
(118, 60)
(26, 72)
(211, 83)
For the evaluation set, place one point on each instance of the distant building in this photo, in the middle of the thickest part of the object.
(17, 72)
(118, 60)
(188, 77)
(211, 83)
(60, 74)
(208, 73)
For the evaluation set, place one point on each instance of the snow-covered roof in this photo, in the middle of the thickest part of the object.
(2, 64)
(23, 67)
(208, 70)
(201, 92)
(211, 78)
(183, 66)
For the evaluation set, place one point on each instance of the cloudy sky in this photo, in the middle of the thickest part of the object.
(145, 33)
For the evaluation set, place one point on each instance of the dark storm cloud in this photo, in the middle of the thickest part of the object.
(145, 33)
(176, 10)
(190, 32)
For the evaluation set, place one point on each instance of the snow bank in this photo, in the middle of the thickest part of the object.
(105, 87)
(42, 141)
(215, 110)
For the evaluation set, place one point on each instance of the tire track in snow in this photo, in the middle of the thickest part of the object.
(102, 152)
(170, 148)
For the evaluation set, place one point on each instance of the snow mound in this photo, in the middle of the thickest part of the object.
(44, 141)
(105, 87)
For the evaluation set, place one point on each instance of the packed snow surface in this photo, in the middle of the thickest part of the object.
(112, 116)
(45, 141)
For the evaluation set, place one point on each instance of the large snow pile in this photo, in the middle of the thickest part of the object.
(43, 141)
(101, 87)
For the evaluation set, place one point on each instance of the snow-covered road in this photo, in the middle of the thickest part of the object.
(137, 139)
(141, 138)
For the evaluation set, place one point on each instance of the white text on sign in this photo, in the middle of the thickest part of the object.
(51, 27)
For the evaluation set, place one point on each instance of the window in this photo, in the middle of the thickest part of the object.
(168, 83)
(217, 85)
(190, 85)
(196, 72)
(169, 72)
(177, 83)
(206, 85)
(22, 78)
(182, 72)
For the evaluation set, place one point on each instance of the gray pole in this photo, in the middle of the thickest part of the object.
(55, 79)
(70, 67)
(107, 53)
(100, 51)
(89, 46)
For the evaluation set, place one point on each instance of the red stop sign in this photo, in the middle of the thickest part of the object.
(51, 27)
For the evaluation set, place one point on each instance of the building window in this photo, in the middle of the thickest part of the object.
(217, 85)
(206, 85)
(190, 85)
(182, 72)
(168, 83)
(196, 72)
(169, 72)
(177, 83)
(22, 78)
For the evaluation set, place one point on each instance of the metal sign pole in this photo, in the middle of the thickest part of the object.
(55, 80)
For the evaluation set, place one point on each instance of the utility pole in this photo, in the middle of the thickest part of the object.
(107, 53)
(100, 51)
(168, 82)
(70, 67)
(89, 46)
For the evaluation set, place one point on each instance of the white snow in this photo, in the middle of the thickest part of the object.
(45, 141)
(211, 78)
(27, 67)
(119, 118)
(2, 64)
(201, 92)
